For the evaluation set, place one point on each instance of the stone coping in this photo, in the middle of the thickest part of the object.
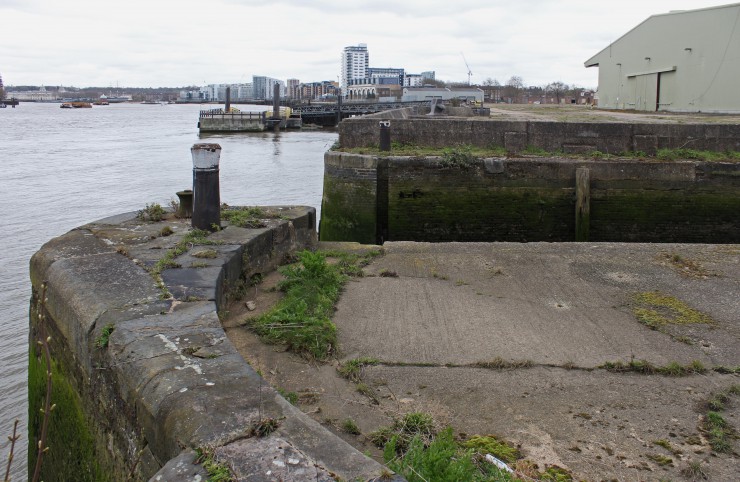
(174, 380)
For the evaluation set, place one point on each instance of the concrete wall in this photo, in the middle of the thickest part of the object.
(509, 199)
(694, 53)
(515, 136)
(231, 122)
(168, 380)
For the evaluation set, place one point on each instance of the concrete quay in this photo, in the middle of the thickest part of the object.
(143, 372)
(514, 339)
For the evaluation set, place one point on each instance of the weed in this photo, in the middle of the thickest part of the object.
(217, 471)
(352, 369)
(166, 231)
(412, 425)
(710, 156)
(366, 390)
(654, 310)
(685, 267)
(301, 319)
(489, 444)
(461, 157)
(461, 283)
(264, 427)
(719, 431)
(535, 151)
(175, 206)
(385, 273)
(350, 427)
(437, 460)
(246, 217)
(499, 363)
(206, 253)
(151, 212)
(291, 397)
(646, 368)
(694, 471)
(199, 264)
(102, 341)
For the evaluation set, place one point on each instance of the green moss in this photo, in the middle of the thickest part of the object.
(660, 459)
(489, 444)
(441, 208)
(72, 454)
(348, 210)
(655, 309)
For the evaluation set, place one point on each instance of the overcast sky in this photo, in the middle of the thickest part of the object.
(152, 43)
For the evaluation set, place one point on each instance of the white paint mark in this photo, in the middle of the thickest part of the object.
(293, 461)
(183, 390)
(187, 363)
(279, 463)
(210, 384)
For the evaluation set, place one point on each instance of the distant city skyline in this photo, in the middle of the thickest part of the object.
(171, 44)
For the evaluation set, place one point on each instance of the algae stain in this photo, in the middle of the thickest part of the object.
(73, 453)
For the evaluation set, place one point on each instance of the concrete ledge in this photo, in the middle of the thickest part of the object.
(168, 378)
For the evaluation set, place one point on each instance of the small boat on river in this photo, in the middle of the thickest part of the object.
(76, 105)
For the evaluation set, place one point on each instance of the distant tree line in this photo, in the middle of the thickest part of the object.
(514, 91)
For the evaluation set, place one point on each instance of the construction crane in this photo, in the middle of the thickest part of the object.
(470, 72)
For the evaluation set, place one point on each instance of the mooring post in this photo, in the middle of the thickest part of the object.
(227, 108)
(186, 203)
(206, 195)
(276, 106)
(339, 108)
(385, 135)
(583, 203)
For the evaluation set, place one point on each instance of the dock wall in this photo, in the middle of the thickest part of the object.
(143, 376)
(373, 199)
(232, 122)
(515, 136)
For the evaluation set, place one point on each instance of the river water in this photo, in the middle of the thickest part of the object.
(62, 168)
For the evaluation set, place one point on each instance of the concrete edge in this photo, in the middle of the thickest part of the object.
(179, 395)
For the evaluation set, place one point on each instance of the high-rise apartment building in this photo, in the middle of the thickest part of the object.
(355, 63)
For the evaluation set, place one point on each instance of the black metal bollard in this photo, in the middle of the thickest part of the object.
(206, 191)
(186, 203)
(385, 135)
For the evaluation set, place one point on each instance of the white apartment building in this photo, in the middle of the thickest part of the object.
(355, 63)
(413, 80)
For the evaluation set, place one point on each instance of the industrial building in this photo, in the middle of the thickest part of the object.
(681, 61)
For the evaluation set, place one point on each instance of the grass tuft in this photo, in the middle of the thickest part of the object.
(217, 471)
(352, 369)
(105, 333)
(350, 427)
(301, 319)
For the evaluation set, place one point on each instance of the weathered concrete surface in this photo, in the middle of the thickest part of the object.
(166, 377)
(550, 303)
(565, 308)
